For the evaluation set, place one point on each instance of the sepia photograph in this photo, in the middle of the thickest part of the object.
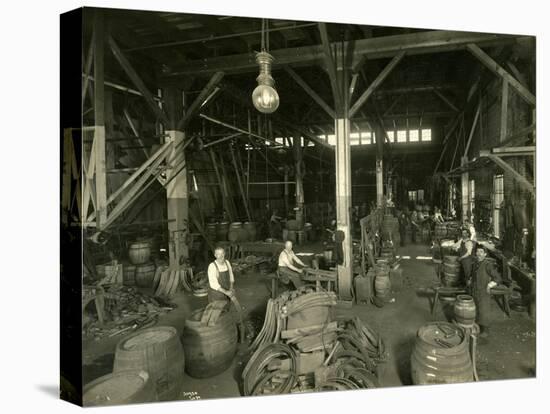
(257, 206)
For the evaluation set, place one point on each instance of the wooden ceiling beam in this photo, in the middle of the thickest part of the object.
(432, 41)
(134, 77)
(330, 64)
(199, 101)
(494, 67)
(375, 83)
(320, 101)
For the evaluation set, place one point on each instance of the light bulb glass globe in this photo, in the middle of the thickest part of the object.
(265, 99)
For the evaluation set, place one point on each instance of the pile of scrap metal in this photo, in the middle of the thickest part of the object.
(300, 348)
(124, 309)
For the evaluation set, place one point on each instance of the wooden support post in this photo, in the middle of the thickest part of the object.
(379, 133)
(465, 193)
(343, 204)
(504, 111)
(286, 190)
(177, 202)
(99, 128)
(298, 175)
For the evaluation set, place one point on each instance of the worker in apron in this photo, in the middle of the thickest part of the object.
(220, 278)
(288, 271)
(485, 276)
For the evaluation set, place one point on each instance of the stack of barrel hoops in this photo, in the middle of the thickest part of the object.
(301, 348)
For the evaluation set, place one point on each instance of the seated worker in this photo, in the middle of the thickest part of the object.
(220, 278)
(438, 217)
(465, 247)
(287, 269)
(485, 276)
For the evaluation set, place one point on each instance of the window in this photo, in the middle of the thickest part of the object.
(373, 138)
(355, 138)
(280, 140)
(498, 199)
(391, 135)
(331, 139)
(412, 196)
(426, 134)
(366, 138)
(420, 195)
(413, 135)
(402, 136)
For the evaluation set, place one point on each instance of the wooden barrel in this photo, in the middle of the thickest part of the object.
(222, 229)
(382, 285)
(129, 275)
(451, 279)
(139, 252)
(465, 310)
(237, 235)
(250, 228)
(450, 259)
(291, 235)
(209, 350)
(300, 237)
(440, 231)
(446, 362)
(158, 351)
(211, 232)
(132, 387)
(292, 225)
(363, 288)
(451, 267)
(144, 275)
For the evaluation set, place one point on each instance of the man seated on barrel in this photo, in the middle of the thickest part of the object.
(287, 266)
(485, 276)
(220, 278)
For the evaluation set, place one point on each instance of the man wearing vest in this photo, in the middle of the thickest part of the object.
(287, 269)
(220, 278)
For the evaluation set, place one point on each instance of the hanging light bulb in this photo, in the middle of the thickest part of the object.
(265, 98)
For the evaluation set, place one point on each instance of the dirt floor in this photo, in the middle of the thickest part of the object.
(508, 354)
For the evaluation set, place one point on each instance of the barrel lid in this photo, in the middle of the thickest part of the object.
(113, 388)
(437, 334)
(148, 337)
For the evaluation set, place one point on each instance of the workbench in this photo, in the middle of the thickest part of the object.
(511, 271)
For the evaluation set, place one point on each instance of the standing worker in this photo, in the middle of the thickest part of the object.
(287, 266)
(275, 225)
(484, 277)
(403, 222)
(220, 278)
